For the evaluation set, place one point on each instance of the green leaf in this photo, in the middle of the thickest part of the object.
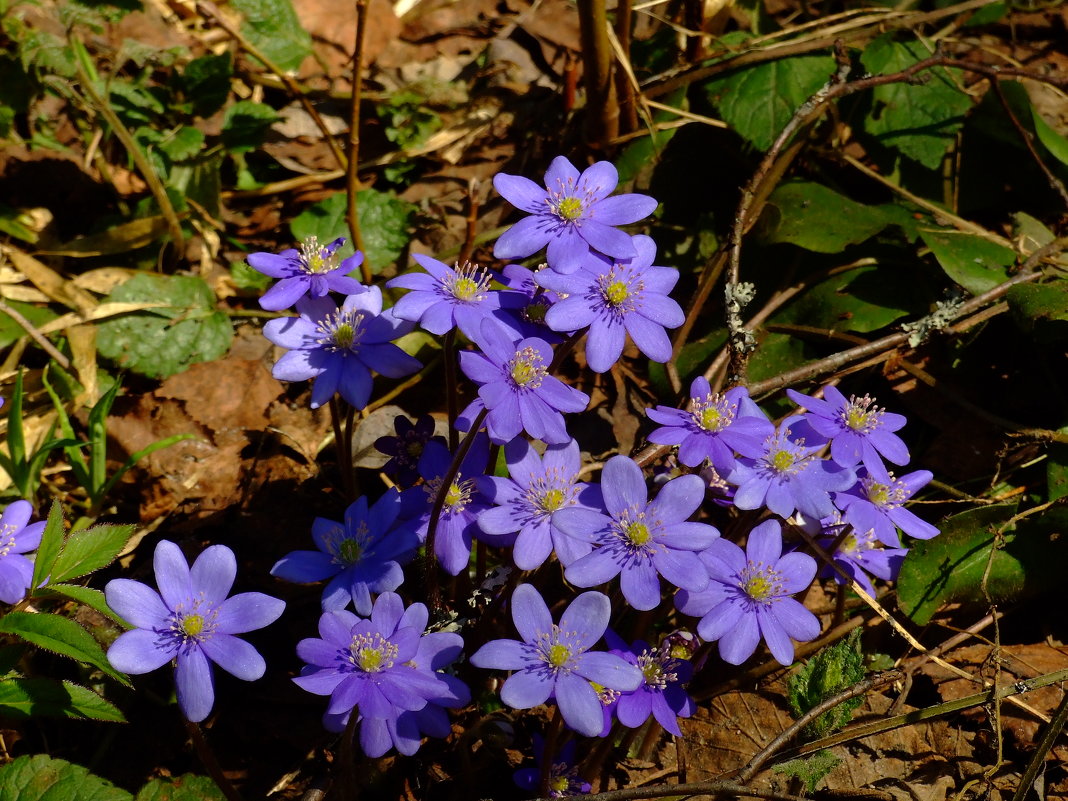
(246, 277)
(384, 221)
(1057, 469)
(810, 770)
(88, 550)
(22, 698)
(35, 315)
(1041, 309)
(918, 120)
(206, 83)
(44, 778)
(164, 341)
(187, 787)
(862, 300)
(758, 101)
(91, 597)
(51, 543)
(977, 264)
(274, 28)
(59, 635)
(816, 218)
(951, 566)
(1056, 144)
(776, 354)
(830, 671)
(245, 125)
(183, 143)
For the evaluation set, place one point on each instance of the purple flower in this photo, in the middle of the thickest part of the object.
(572, 214)
(859, 430)
(640, 540)
(191, 621)
(529, 318)
(563, 772)
(555, 660)
(515, 385)
(340, 347)
(366, 665)
(406, 448)
(363, 555)
(876, 503)
(661, 692)
(859, 552)
(788, 476)
(313, 270)
(463, 502)
(530, 500)
(748, 597)
(17, 538)
(616, 298)
(444, 298)
(714, 427)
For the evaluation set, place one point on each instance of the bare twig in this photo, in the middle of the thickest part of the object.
(36, 335)
(602, 109)
(753, 766)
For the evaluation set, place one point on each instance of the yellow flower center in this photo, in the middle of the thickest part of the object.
(616, 292)
(344, 336)
(782, 461)
(559, 655)
(879, 494)
(370, 660)
(757, 587)
(638, 533)
(552, 500)
(349, 550)
(465, 289)
(710, 419)
(527, 369)
(192, 625)
(570, 208)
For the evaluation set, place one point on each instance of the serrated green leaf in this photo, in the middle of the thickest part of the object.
(758, 101)
(32, 697)
(90, 596)
(245, 125)
(816, 218)
(183, 144)
(862, 300)
(59, 635)
(1041, 309)
(164, 341)
(44, 778)
(977, 264)
(830, 671)
(275, 29)
(384, 221)
(187, 787)
(51, 544)
(88, 550)
(920, 120)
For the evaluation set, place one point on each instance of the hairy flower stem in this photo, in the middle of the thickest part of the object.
(344, 458)
(602, 108)
(211, 764)
(548, 755)
(433, 588)
(448, 348)
(352, 182)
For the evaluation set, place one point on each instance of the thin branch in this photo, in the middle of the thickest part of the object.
(753, 766)
(36, 335)
(602, 110)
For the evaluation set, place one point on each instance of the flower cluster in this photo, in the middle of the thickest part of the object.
(517, 485)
